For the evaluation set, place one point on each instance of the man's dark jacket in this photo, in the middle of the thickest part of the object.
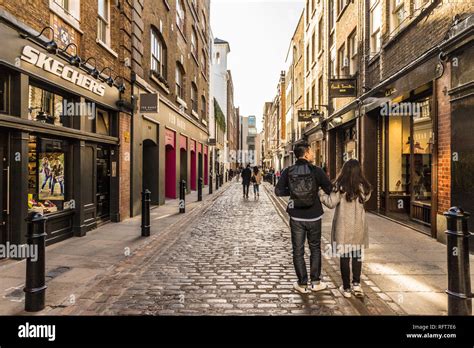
(246, 175)
(322, 181)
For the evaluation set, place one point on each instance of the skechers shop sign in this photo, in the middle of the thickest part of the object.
(64, 71)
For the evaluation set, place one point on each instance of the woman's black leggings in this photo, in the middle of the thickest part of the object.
(356, 256)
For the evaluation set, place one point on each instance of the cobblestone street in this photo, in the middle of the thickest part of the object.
(235, 258)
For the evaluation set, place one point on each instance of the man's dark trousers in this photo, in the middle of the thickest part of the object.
(300, 230)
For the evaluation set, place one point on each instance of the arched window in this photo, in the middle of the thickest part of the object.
(218, 58)
(194, 43)
(203, 108)
(194, 97)
(179, 80)
(180, 15)
(159, 54)
(204, 62)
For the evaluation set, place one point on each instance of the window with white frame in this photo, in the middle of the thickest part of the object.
(180, 15)
(375, 26)
(320, 35)
(179, 81)
(103, 21)
(68, 10)
(352, 51)
(397, 14)
(159, 54)
(342, 60)
(63, 3)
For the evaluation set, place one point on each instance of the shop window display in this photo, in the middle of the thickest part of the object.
(47, 184)
(47, 107)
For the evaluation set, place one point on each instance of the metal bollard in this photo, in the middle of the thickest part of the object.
(182, 197)
(210, 184)
(459, 281)
(226, 176)
(146, 225)
(200, 190)
(35, 285)
(274, 180)
(217, 182)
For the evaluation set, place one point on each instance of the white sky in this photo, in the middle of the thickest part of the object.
(259, 34)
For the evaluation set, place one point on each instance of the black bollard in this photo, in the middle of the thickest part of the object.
(200, 190)
(459, 281)
(226, 177)
(35, 285)
(274, 180)
(146, 201)
(210, 184)
(217, 182)
(182, 197)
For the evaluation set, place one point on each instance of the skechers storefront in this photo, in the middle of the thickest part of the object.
(58, 141)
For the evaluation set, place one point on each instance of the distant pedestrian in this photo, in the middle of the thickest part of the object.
(246, 175)
(349, 234)
(302, 182)
(256, 181)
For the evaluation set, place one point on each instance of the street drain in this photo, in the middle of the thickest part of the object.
(56, 272)
(17, 294)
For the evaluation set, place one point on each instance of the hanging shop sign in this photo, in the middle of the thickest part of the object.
(66, 72)
(305, 115)
(149, 103)
(342, 88)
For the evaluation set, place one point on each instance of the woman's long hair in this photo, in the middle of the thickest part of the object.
(352, 182)
(255, 170)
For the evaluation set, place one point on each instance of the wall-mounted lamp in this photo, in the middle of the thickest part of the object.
(109, 80)
(74, 60)
(121, 86)
(51, 46)
(93, 72)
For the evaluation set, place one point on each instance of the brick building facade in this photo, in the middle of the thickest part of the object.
(171, 62)
(82, 59)
(404, 53)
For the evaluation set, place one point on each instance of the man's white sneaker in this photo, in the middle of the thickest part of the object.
(318, 287)
(357, 290)
(345, 292)
(302, 289)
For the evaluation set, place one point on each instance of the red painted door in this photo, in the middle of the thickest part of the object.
(193, 171)
(170, 164)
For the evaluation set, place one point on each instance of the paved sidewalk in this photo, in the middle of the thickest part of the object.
(403, 267)
(74, 264)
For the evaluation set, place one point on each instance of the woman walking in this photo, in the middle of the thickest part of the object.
(349, 236)
(256, 181)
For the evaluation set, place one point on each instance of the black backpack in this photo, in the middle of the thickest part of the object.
(303, 186)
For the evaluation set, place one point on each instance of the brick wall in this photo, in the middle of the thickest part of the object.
(444, 142)
(125, 127)
(422, 34)
(158, 15)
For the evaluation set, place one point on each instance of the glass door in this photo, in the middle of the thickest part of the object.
(103, 183)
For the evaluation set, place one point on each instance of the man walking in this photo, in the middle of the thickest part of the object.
(302, 182)
(246, 175)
